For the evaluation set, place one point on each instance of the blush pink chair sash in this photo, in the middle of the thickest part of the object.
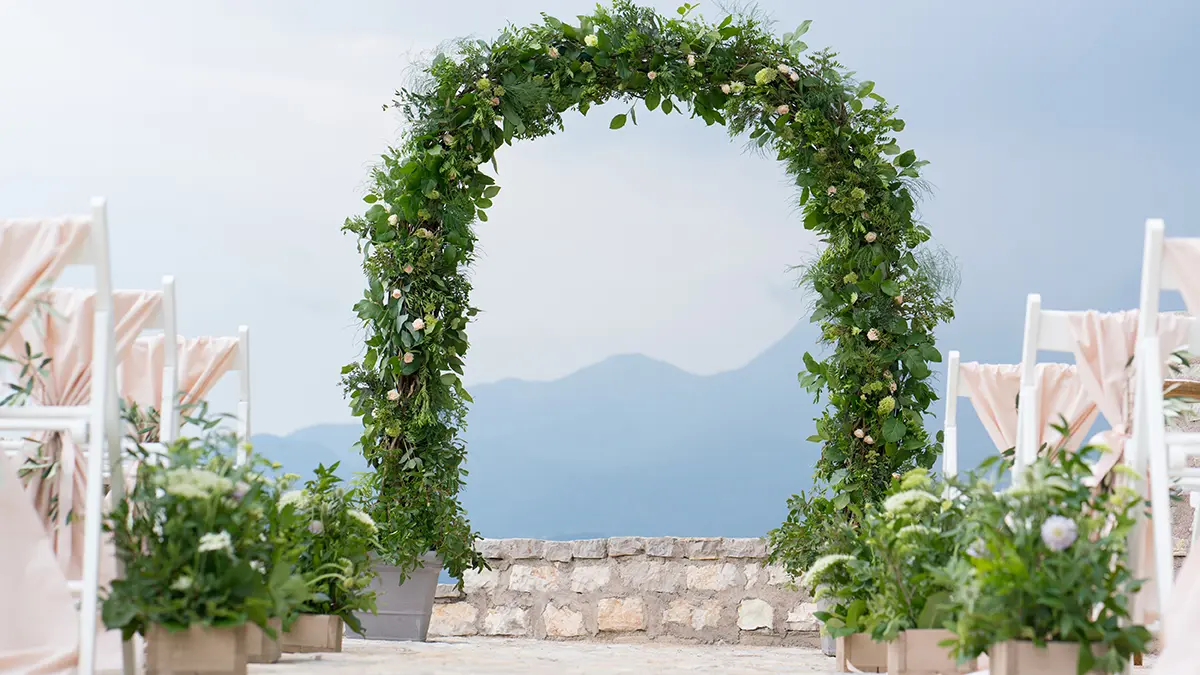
(64, 333)
(32, 254)
(38, 627)
(1183, 256)
(993, 391)
(202, 362)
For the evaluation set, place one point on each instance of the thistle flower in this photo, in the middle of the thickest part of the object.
(873, 335)
(591, 40)
(886, 405)
(216, 541)
(725, 89)
(871, 237)
(820, 566)
(362, 518)
(1058, 533)
(393, 395)
(393, 219)
(408, 357)
(691, 59)
(397, 294)
(316, 527)
(783, 109)
(419, 324)
(652, 75)
(295, 498)
(737, 88)
(553, 52)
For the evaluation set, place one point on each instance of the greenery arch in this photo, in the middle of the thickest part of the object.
(875, 305)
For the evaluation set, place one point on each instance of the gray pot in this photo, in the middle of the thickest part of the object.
(828, 642)
(403, 609)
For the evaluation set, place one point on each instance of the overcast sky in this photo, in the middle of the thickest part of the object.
(233, 138)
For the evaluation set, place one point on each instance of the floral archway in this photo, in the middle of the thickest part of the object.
(835, 136)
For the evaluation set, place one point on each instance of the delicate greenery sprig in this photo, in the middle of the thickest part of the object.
(336, 541)
(1048, 562)
(877, 305)
(196, 539)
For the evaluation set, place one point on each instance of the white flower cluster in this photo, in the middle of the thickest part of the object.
(362, 518)
(821, 566)
(295, 498)
(908, 501)
(216, 541)
(192, 483)
(915, 531)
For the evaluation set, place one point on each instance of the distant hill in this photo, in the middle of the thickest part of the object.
(628, 446)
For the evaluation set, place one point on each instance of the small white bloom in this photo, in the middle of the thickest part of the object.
(316, 527)
(652, 75)
(591, 40)
(1058, 533)
(873, 335)
(393, 395)
(725, 89)
(795, 76)
(553, 52)
(738, 87)
(822, 565)
(783, 109)
(393, 219)
(216, 541)
(397, 294)
(362, 518)
(871, 237)
(859, 433)
(691, 60)
(419, 324)
(976, 549)
(295, 498)
(183, 583)
(908, 501)
(784, 68)
(869, 441)
(258, 566)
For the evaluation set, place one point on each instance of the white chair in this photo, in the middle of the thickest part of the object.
(95, 424)
(1166, 453)
(242, 366)
(1045, 330)
(950, 430)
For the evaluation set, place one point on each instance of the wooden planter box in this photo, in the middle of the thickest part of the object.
(199, 650)
(260, 647)
(858, 653)
(313, 633)
(1024, 658)
(917, 652)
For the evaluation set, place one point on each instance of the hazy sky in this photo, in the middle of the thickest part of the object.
(233, 138)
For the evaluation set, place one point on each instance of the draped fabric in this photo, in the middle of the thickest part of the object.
(64, 332)
(37, 630)
(202, 362)
(1182, 256)
(993, 390)
(32, 254)
(1181, 623)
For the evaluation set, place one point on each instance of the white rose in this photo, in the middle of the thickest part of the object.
(725, 89)
(784, 68)
(393, 395)
(873, 335)
(869, 441)
(859, 433)
(652, 75)
(692, 60)
(591, 40)
(419, 324)
(783, 109)
(393, 219)
(396, 294)
(795, 76)
(553, 52)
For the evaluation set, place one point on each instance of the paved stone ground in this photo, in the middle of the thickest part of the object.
(495, 656)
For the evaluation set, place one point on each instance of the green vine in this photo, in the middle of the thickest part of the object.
(834, 136)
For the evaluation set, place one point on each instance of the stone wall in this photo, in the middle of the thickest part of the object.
(628, 588)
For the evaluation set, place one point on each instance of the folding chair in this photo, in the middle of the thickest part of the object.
(95, 424)
(1167, 264)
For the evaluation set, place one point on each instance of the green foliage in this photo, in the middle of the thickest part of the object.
(915, 537)
(201, 540)
(335, 541)
(835, 138)
(1048, 563)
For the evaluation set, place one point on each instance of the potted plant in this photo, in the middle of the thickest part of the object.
(914, 539)
(1046, 585)
(843, 582)
(289, 590)
(190, 536)
(335, 545)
